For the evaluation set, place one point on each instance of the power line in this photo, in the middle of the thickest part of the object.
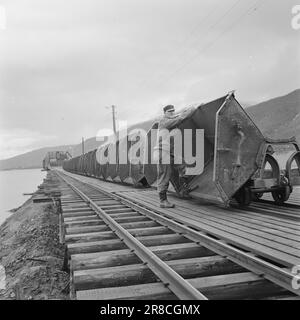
(219, 20)
(203, 49)
(202, 22)
(198, 25)
(206, 47)
(227, 12)
(189, 36)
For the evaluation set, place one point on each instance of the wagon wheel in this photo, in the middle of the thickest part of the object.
(275, 170)
(257, 195)
(280, 196)
(243, 196)
(121, 179)
(293, 174)
(104, 177)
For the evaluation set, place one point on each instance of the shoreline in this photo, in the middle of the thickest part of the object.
(14, 210)
(18, 186)
(30, 168)
(31, 254)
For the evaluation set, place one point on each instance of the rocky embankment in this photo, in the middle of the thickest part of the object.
(31, 253)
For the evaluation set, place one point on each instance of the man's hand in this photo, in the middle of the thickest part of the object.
(188, 111)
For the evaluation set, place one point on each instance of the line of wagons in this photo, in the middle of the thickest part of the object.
(238, 161)
(55, 159)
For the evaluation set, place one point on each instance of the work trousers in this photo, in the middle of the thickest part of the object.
(164, 173)
(163, 178)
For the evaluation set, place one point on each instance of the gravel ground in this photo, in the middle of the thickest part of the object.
(32, 255)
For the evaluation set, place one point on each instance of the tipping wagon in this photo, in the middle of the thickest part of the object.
(238, 161)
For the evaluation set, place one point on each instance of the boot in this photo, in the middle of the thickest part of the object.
(185, 190)
(167, 204)
(164, 203)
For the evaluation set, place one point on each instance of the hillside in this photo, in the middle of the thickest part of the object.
(33, 159)
(276, 118)
(279, 117)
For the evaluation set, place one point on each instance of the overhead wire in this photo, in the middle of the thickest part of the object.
(253, 8)
(206, 47)
(219, 20)
(189, 36)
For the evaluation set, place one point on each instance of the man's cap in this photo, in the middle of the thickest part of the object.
(169, 107)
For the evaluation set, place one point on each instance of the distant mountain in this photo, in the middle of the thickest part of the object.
(33, 159)
(279, 117)
(276, 118)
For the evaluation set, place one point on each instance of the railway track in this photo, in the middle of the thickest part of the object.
(119, 249)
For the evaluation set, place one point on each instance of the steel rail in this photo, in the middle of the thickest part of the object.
(284, 205)
(280, 276)
(172, 280)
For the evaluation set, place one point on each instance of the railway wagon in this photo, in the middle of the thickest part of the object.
(55, 159)
(237, 158)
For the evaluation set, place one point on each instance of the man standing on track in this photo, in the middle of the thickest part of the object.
(165, 148)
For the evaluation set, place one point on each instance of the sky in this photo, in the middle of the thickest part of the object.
(64, 63)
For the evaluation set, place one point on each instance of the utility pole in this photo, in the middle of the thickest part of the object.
(113, 108)
(82, 143)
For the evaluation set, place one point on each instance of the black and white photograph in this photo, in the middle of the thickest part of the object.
(149, 151)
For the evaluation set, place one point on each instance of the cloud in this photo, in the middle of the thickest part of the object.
(63, 62)
(20, 141)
